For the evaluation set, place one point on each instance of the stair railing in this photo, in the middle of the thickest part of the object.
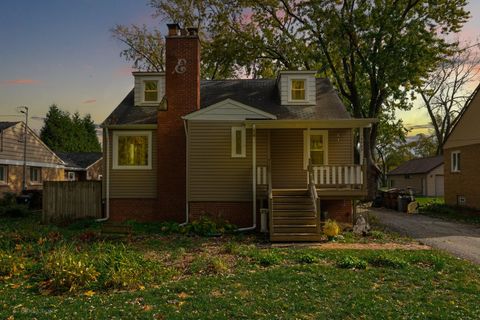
(270, 196)
(311, 185)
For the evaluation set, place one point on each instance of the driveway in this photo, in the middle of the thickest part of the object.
(459, 239)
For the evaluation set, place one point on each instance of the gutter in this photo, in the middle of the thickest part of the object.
(107, 173)
(185, 126)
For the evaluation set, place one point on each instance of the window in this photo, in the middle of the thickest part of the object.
(297, 90)
(407, 176)
(3, 174)
(35, 175)
(238, 142)
(71, 176)
(132, 150)
(151, 90)
(316, 147)
(455, 161)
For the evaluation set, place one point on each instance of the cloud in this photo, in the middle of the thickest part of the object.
(21, 81)
(89, 101)
(37, 118)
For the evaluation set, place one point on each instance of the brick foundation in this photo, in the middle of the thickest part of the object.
(238, 213)
(134, 209)
(338, 210)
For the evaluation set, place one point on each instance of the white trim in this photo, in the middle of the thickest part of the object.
(115, 136)
(233, 142)
(303, 124)
(100, 159)
(31, 164)
(143, 88)
(4, 168)
(454, 165)
(305, 89)
(306, 146)
(202, 114)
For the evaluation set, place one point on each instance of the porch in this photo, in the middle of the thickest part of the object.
(298, 168)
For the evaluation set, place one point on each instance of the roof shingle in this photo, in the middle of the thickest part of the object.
(416, 166)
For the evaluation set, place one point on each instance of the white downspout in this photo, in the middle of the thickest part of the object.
(187, 159)
(107, 173)
(254, 181)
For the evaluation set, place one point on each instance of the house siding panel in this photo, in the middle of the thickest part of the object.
(15, 179)
(466, 182)
(133, 183)
(213, 174)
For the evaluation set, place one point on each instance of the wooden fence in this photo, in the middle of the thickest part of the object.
(71, 200)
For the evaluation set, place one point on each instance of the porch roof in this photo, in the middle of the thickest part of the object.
(328, 124)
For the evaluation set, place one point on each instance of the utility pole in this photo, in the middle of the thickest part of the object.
(24, 110)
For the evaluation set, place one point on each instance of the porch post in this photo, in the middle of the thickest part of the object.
(361, 146)
(254, 173)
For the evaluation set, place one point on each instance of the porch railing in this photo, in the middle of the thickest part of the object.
(352, 175)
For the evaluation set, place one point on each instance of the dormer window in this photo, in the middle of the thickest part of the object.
(297, 90)
(150, 90)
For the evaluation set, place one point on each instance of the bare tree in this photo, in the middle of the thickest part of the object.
(446, 92)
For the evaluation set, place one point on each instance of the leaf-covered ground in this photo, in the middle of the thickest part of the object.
(231, 277)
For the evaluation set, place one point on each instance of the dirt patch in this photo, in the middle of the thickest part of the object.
(355, 246)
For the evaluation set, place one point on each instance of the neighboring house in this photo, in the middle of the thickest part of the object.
(462, 158)
(423, 176)
(42, 164)
(82, 166)
(177, 148)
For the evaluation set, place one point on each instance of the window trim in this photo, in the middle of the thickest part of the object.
(116, 134)
(40, 178)
(4, 169)
(71, 176)
(454, 165)
(233, 142)
(306, 146)
(290, 80)
(144, 90)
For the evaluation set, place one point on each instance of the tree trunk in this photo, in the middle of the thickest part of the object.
(372, 169)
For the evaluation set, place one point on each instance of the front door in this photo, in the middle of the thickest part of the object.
(286, 152)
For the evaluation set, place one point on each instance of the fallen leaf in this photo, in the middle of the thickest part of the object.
(89, 293)
(183, 295)
(147, 307)
(141, 288)
(15, 285)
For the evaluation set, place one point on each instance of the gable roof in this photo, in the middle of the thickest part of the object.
(465, 132)
(261, 94)
(79, 160)
(222, 110)
(7, 124)
(417, 166)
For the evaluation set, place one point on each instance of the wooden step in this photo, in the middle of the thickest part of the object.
(289, 229)
(293, 213)
(293, 206)
(291, 199)
(290, 192)
(293, 237)
(295, 220)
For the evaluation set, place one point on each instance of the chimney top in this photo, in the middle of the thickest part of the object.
(192, 31)
(173, 29)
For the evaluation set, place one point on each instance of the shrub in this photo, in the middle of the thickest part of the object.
(266, 258)
(10, 264)
(438, 208)
(206, 226)
(331, 229)
(379, 235)
(306, 258)
(385, 260)
(14, 210)
(67, 270)
(351, 262)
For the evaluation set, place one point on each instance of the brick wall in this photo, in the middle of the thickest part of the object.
(466, 182)
(134, 209)
(182, 90)
(238, 213)
(338, 210)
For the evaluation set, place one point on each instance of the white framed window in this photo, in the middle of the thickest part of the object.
(455, 161)
(239, 137)
(150, 90)
(315, 147)
(298, 91)
(71, 176)
(3, 174)
(35, 175)
(132, 150)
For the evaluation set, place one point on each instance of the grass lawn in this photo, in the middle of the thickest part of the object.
(151, 275)
(436, 207)
(427, 200)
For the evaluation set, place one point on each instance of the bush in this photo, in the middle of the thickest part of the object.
(14, 210)
(379, 235)
(438, 208)
(385, 260)
(351, 262)
(266, 258)
(331, 229)
(11, 265)
(67, 270)
(206, 226)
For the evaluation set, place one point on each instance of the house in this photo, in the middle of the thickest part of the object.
(82, 166)
(424, 176)
(178, 147)
(462, 158)
(41, 163)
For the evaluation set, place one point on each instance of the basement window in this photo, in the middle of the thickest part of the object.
(238, 142)
(455, 164)
(132, 150)
(150, 90)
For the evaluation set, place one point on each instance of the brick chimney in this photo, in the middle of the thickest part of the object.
(182, 92)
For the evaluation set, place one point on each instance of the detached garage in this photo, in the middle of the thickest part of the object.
(424, 176)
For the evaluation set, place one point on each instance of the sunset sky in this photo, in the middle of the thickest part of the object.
(59, 51)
